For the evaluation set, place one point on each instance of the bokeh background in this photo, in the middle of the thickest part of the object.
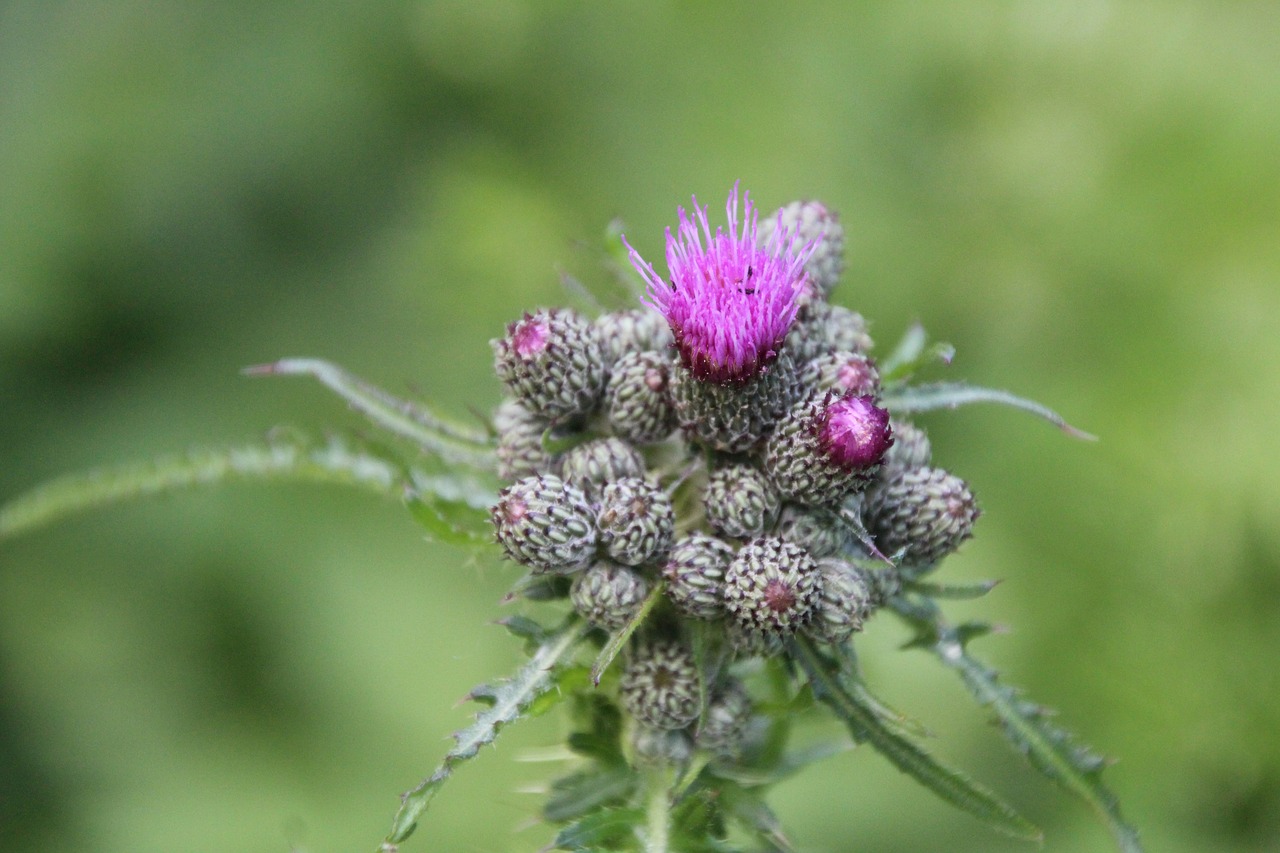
(1083, 197)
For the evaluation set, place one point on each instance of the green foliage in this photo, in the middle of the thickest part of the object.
(866, 725)
(507, 702)
(1082, 195)
(911, 355)
(1050, 749)
(634, 788)
(284, 457)
(949, 395)
(620, 637)
(597, 804)
(606, 829)
(450, 441)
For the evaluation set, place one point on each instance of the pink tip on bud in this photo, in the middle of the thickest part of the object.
(512, 509)
(529, 335)
(857, 376)
(854, 433)
(779, 597)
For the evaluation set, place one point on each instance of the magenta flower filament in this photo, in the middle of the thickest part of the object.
(729, 301)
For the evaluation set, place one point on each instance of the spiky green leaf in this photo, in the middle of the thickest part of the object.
(952, 590)
(950, 395)
(602, 829)
(865, 725)
(452, 522)
(579, 794)
(507, 702)
(449, 440)
(283, 460)
(619, 639)
(1049, 749)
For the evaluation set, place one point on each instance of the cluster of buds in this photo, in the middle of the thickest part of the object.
(741, 381)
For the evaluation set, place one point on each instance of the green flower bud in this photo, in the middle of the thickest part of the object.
(553, 363)
(816, 529)
(660, 685)
(813, 221)
(770, 587)
(911, 449)
(926, 512)
(638, 401)
(739, 502)
(545, 524)
(882, 585)
(593, 464)
(695, 575)
(843, 372)
(634, 330)
(635, 520)
(724, 724)
(520, 452)
(824, 328)
(843, 605)
(608, 595)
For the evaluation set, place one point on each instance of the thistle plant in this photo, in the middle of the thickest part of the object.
(703, 498)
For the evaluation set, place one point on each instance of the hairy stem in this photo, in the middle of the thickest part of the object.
(657, 781)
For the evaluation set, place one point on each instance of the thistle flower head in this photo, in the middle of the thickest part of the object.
(729, 301)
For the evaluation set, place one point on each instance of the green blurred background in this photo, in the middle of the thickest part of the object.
(1083, 197)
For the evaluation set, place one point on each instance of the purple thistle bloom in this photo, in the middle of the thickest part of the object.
(731, 301)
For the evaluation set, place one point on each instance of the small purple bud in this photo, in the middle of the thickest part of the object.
(854, 433)
(827, 448)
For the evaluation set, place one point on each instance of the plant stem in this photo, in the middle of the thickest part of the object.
(657, 782)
